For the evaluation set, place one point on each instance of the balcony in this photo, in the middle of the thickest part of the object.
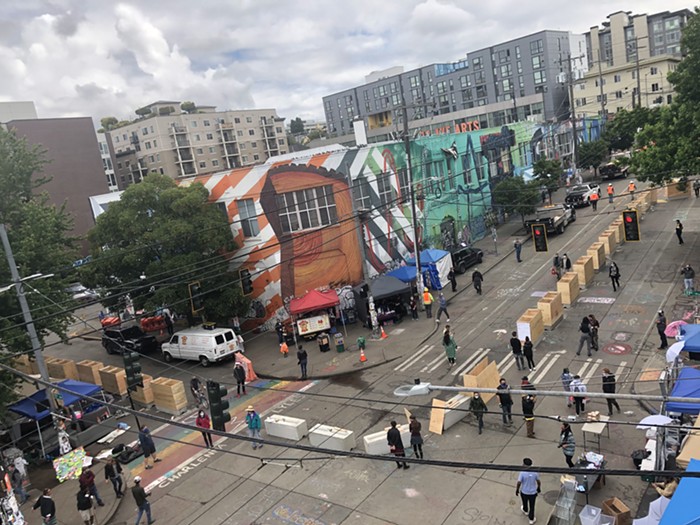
(178, 129)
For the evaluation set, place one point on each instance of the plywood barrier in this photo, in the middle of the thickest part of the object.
(608, 242)
(619, 227)
(584, 269)
(483, 375)
(653, 195)
(552, 309)
(113, 380)
(614, 235)
(568, 287)
(144, 395)
(672, 192)
(445, 414)
(597, 253)
(89, 371)
(530, 324)
(63, 369)
(22, 364)
(169, 395)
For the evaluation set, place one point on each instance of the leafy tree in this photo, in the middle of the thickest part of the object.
(592, 153)
(296, 125)
(108, 123)
(188, 107)
(157, 240)
(621, 130)
(143, 112)
(41, 244)
(314, 134)
(548, 174)
(515, 195)
(165, 111)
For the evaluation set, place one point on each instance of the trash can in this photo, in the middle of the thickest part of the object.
(339, 342)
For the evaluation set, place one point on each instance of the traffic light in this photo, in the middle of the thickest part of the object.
(195, 296)
(218, 405)
(539, 235)
(246, 281)
(631, 222)
(132, 367)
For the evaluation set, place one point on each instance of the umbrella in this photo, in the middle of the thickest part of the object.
(657, 508)
(673, 328)
(654, 421)
(674, 351)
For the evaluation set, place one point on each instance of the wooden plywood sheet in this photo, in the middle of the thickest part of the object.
(488, 378)
(437, 416)
(480, 366)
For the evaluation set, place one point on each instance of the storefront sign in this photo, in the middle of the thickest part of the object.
(462, 127)
(313, 324)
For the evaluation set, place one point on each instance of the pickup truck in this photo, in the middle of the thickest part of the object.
(580, 195)
(555, 217)
(613, 171)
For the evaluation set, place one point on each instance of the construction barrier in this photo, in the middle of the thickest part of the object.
(584, 269)
(597, 253)
(552, 309)
(531, 325)
(568, 287)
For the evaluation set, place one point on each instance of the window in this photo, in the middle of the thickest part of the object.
(151, 129)
(384, 188)
(249, 220)
(206, 123)
(654, 70)
(536, 47)
(157, 157)
(279, 130)
(200, 151)
(479, 77)
(197, 138)
(253, 144)
(464, 81)
(361, 194)
(256, 157)
(382, 91)
(506, 70)
(504, 56)
(655, 87)
(280, 142)
(507, 86)
(413, 81)
(116, 138)
(151, 159)
(212, 149)
(249, 120)
(537, 62)
(245, 159)
(144, 131)
(481, 92)
(215, 163)
(517, 51)
(673, 23)
(239, 132)
(618, 94)
(148, 145)
(540, 77)
(210, 136)
(306, 209)
(202, 164)
(155, 143)
(251, 132)
(618, 78)
(238, 121)
(477, 63)
(243, 145)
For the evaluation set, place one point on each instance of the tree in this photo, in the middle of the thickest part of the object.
(188, 107)
(108, 123)
(548, 174)
(157, 240)
(314, 134)
(41, 244)
(165, 111)
(515, 195)
(143, 112)
(622, 128)
(296, 125)
(592, 153)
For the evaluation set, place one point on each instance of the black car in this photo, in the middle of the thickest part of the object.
(463, 258)
(118, 339)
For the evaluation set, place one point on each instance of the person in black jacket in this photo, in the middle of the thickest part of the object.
(477, 279)
(47, 507)
(239, 376)
(141, 499)
(614, 273)
(85, 506)
(302, 361)
(505, 401)
(609, 388)
(585, 329)
(113, 473)
(393, 437)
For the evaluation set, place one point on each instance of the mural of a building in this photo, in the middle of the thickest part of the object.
(328, 218)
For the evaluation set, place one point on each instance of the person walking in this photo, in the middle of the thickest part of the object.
(566, 263)
(578, 389)
(148, 447)
(609, 387)
(567, 443)
(679, 231)
(113, 474)
(169, 325)
(661, 329)
(87, 482)
(611, 193)
(688, 276)
(17, 482)
(566, 379)
(585, 329)
(239, 376)
(614, 273)
(86, 506)
(518, 248)
(450, 346)
(252, 420)
(428, 303)
(414, 428)
(696, 188)
(594, 200)
(302, 361)
(528, 407)
(413, 306)
(393, 438)
(528, 353)
(279, 328)
(631, 187)
(142, 503)
(595, 325)
(528, 487)
(284, 349)
(442, 307)
(517, 348)
(505, 402)
(556, 266)
(452, 277)
(478, 408)
(47, 508)
(477, 279)
(204, 423)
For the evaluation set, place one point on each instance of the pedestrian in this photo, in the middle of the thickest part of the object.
(631, 187)
(609, 386)
(302, 361)
(505, 402)
(661, 328)
(556, 266)
(667, 487)
(414, 427)
(528, 353)
(526, 385)
(393, 438)
(611, 193)
(517, 348)
(594, 200)
(204, 423)
(86, 506)
(452, 277)
(47, 508)
(442, 307)
(169, 322)
(577, 389)
(450, 346)
(142, 503)
(614, 273)
(279, 328)
(113, 473)
(17, 482)
(567, 443)
(696, 187)
(528, 487)
(87, 482)
(239, 376)
(148, 448)
(688, 276)
(413, 306)
(428, 303)
(595, 325)
(361, 343)
(566, 263)
(478, 408)
(477, 279)
(528, 406)
(585, 329)
(566, 379)
(679, 231)
(284, 349)
(252, 419)
(519, 246)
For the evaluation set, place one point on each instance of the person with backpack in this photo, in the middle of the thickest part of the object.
(585, 329)
(609, 387)
(528, 353)
(595, 325)
(578, 389)
(505, 402)
(252, 420)
(477, 279)
(567, 443)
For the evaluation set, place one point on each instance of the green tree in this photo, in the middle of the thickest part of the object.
(143, 112)
(165, 111)
(108, 123)
(188, 107)
(158, 239)
(515, 195)
(592, 153)
(622, 128)
(547, 173)
(39, 234)
(296, 125)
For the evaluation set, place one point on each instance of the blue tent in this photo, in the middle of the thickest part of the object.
(687, 385)
(683, 507)
(428, 256)
(33, 406)
(405, 274)
(691, 336)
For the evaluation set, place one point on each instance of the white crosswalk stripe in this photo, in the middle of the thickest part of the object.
(432, 366)
(620, 370)
(473, 360)
(415, 357)
(584, 367)
(545, 366)
(591, 371)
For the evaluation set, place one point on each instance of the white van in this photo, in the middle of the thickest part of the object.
(202, 344)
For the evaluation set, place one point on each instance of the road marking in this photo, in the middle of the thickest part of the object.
(475, 358)
(584, 367)
(432, 366)
(592, 371)
(543, 371)
(502, 361)
(415, 357)
(620, 370)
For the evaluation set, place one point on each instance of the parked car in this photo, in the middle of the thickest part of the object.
(555, 217)
(118, 339)
(466, 256)
(580, 195)
(81, 294)
(613, 171)
(206, 345)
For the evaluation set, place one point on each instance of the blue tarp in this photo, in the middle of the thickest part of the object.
(687, 385)
(691, 336)
(29, 405)
(405, 274)
(428, 256)
(683, 508)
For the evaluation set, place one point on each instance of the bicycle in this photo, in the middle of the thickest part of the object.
(201, 397)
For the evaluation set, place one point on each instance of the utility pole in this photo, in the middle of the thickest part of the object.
(600, 85)
(572, 104)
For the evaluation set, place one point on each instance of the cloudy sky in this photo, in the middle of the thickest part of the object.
(99, 58)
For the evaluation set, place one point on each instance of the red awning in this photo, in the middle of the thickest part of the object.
(313, 300)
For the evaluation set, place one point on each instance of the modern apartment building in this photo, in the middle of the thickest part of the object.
(106, 153)
(177, 143)
(524, 78)
(630, 57)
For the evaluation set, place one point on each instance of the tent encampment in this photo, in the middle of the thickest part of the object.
(690, 334)
(687, 385)
(436, 262)
(683, 507)
(406, 274)
(387, 286)
(36, 406)
(313, 300)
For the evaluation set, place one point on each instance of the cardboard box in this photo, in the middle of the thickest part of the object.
(617, 509)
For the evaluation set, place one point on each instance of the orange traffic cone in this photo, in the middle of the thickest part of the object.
(384, 336)
(363, 357)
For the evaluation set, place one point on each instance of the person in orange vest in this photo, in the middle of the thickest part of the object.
(428, 302)
(284, 349)
(611, 193)
(631, 187)
(594, 200)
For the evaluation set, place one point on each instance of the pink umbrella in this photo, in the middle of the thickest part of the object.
(672, 328)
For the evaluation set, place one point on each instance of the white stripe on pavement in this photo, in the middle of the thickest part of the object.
(475, 358)
(507, 366)
(432, 366)
(415, 357)
(620, 369)
(584, 367)
(592, 371)
(502, 361)
(543, 371)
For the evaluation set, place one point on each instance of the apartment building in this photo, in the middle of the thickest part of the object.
(630, 57)
(106, 153)
(179, 143)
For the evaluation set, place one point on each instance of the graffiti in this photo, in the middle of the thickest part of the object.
(294, 516)
(346, 297)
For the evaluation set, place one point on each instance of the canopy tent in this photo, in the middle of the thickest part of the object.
(437, 263)
(683, 507)
(406, 274)
(386, 286)
(430, 255)
(687, 385)
(36, 406)
(690, 334)
(313, 300)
